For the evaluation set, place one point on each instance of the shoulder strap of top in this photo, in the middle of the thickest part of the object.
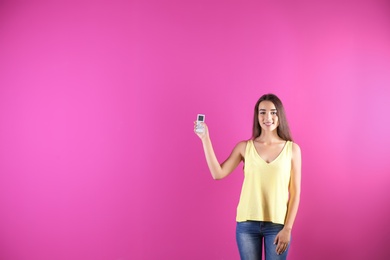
(249, 147)
(289, 147)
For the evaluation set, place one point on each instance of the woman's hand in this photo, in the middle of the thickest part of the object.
(205, 132)
(282, 240)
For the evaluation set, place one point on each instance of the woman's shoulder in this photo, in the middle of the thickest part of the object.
(243, 143)
(296, 149)
(294, 144)
(241, 146)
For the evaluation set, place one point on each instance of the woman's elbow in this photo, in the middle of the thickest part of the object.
(219, 176)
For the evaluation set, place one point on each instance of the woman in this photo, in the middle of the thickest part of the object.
(271, 189)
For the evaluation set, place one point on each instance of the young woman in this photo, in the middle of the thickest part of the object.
(271, 189)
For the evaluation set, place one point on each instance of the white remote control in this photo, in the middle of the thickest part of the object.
(199, 120)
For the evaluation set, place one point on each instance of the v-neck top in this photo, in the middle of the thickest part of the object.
(264, 194)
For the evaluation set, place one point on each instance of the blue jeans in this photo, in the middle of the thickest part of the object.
(250, 236)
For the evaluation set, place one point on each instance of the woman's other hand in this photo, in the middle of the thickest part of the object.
(282, 240)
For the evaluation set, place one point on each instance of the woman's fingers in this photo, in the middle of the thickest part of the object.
(281, 248)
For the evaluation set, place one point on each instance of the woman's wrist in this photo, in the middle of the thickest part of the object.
(205, 138)
(287, 228)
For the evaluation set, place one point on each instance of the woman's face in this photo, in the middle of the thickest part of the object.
(268, 116)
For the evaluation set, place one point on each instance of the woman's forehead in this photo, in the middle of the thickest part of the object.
(267, 105)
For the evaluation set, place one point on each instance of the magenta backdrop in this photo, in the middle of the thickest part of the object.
(98, 159)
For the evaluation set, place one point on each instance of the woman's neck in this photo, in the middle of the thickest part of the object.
(269, 137)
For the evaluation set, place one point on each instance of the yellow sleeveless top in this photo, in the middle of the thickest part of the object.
(264, 194)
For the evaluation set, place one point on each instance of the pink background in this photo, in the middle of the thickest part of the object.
(98, 159)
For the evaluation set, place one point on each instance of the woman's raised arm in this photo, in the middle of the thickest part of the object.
(220, 170)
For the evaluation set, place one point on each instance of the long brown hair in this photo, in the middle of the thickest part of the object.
(283, 129)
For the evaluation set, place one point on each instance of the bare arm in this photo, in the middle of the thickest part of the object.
(284, 236)
(295, 187)
(220, 171)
